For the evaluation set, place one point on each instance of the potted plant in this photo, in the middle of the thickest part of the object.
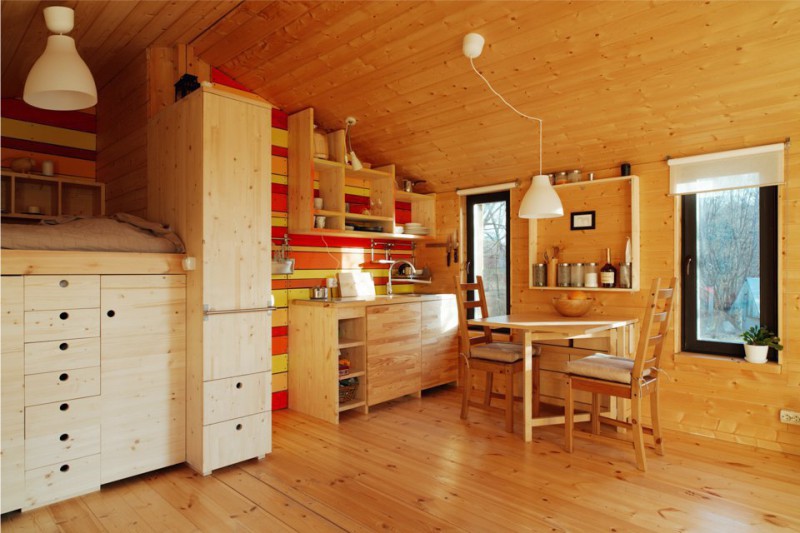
(758, 340)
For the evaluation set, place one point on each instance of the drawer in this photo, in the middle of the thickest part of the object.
(350, 312)
(61, 324)
(52, 356)
(60, 431)
(236, 440)
(60, 386)
(62, 480)
(61, 292)
(235, 397)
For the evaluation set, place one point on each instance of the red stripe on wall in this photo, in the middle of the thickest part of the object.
(280, 188)
(280, 151)
(280, 119)
(71, 120)
(280, 400)
(33, 146)
(217, 76)
(280, 345)
(280, 203)
(280, 331)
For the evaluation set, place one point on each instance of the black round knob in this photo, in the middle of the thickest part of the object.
(64, 468)
(63, 437)
(63, 346)
(64, 406)
(239, 385)
(63, 283)
(63, 377)
(64, 315)
(238, 427)
(111, 313)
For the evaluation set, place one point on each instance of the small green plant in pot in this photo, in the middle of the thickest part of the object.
(757, 342)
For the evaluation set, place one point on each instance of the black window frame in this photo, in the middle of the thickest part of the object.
(472, 200)
(768, 265)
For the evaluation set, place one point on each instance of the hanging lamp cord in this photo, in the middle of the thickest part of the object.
(517, 111)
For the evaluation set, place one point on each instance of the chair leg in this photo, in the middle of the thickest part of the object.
(487, 393)
(568, 418)
(509, 400)
(536, 387)
(595, 413)
(467, 390)
(636, 430)
(654, 414)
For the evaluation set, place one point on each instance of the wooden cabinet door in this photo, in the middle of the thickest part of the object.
(143, 362)
(393, 351)
(12, 361)
(439, 341)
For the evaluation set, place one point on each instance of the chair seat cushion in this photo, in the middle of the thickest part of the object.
(504, 352)
(603, 366)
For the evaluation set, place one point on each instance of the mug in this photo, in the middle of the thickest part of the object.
(318, 203)
(47, 168)
(319, 222)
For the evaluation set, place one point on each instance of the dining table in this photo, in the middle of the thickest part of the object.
(543, 326)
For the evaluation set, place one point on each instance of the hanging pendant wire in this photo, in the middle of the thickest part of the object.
(517, 111)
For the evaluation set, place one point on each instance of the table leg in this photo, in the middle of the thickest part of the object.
(527, 381)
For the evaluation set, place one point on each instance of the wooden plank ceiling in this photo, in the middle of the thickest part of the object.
(608, 78)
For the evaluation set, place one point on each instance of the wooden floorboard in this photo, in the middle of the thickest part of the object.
(413, 465)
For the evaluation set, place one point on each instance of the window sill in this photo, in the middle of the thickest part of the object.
(722, 361)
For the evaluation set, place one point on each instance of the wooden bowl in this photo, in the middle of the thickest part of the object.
(572, 308)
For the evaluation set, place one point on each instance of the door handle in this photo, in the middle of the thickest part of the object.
(688, 268)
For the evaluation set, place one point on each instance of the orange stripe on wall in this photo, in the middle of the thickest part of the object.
(280, 345)
(65, 166)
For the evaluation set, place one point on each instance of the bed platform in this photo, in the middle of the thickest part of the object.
(54, 262)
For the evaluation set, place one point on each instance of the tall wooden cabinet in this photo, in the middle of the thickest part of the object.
(12, 403)
(209, 158)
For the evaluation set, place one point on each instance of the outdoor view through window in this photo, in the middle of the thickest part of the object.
(490, 238)
(728, 277)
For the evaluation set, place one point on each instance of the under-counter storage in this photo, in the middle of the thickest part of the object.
(232, 440)
(61, 431)
(393, 351)
(61, 292)
(61, 385)
(61, 480)
(61, 354)
(226, 399)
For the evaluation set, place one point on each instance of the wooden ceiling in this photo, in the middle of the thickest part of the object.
(609, 79)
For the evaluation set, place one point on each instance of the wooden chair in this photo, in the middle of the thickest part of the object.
(482, 353)
(626, 378)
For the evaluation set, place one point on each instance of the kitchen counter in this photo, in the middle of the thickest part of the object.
(377, 300)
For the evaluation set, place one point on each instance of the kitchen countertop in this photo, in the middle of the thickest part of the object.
(377, 300)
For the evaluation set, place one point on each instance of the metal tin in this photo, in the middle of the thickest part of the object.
(576, 275)
(574, 176)
(562, 275)
(539, 274)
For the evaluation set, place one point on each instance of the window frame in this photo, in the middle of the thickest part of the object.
(768, 265)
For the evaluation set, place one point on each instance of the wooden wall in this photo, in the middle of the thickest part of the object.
(718, 397)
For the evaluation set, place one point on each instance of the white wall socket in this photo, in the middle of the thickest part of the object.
(790, 417)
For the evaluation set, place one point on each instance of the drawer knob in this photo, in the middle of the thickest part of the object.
(64, 406)
(111, 313)
(63, 283)
(238, 384)
(64, 437)
(64, 315)
(63, 377)
(238, 427)
(63, 346)
(64, 468)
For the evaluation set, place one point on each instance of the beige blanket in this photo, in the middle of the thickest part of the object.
(119, 233)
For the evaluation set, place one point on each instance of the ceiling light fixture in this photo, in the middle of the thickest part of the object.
(60, 80)
(350, 122)
(541, 200)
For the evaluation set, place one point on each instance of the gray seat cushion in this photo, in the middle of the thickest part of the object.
(504, 352)
(603, 366)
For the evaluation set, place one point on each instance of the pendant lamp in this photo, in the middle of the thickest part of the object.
(354, 160)
(60, 80)
(541, 200)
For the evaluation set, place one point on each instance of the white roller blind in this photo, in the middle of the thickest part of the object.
(759, 166)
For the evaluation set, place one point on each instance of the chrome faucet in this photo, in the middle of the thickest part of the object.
(391, 267)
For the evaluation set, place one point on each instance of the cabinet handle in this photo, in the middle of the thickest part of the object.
(63, 284)
(64, 468)
(64, 406)
(239, 385)
(64, 437)
(63, 377)
(64, 315)
(238, 427)
(63, 346)
(111, 313)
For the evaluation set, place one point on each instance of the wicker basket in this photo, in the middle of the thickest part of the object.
(347, 392)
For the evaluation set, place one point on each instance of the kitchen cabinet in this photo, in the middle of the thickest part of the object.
(615, 203)
(209, 170)
(439, 341)
(393, 351)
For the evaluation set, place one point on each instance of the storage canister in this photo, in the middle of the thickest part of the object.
(574, 176)
(624, 275)
(590, 275)
(576, 275)
(539, 275)
(563, 275)
(561, 178)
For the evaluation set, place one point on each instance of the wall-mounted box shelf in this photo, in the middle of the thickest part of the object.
(51, 196)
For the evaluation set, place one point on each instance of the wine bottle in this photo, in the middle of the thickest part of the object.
(608, 274)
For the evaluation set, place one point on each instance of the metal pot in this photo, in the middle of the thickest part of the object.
(319, 293)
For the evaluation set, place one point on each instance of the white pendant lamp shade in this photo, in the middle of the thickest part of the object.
(541, 200)
(60, 80)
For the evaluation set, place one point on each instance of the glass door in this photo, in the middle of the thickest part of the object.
(488, 222)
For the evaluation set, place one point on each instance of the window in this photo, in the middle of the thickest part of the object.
(730, 274)
(487, 248)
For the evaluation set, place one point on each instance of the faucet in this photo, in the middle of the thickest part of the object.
(391, 267)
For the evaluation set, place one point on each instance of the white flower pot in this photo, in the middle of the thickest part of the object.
(755, 354)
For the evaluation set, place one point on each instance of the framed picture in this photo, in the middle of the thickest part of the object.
(581, 220)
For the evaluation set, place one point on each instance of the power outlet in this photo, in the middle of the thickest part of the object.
(790, 417)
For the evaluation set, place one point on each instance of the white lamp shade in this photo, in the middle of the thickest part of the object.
(541, 200)
(60, 80)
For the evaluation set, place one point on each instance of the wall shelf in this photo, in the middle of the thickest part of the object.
(52, 195)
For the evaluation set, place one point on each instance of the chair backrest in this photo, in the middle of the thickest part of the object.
(464, 305)
(658, 312)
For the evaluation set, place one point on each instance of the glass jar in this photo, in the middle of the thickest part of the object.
(562, 275)
(576, 275)
(590, 275)
(574, 176)
(561, 178)
(539, 275)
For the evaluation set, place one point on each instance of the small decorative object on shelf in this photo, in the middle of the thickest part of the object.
(186, 85)
(608, 274)
(758, 340)
(347, 389)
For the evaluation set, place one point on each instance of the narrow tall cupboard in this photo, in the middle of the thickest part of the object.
(209, 177)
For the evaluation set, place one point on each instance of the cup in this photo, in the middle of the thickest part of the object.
(319, 222)
(48, 168)
(318, 203)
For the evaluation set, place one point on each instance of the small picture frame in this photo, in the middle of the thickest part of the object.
(581, 220)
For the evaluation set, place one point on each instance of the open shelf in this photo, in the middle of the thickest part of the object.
(353, 375)
(352, 404)
(50, 196)
(349, 343)
(367, 218)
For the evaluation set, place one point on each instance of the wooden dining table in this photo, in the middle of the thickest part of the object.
(537, 327)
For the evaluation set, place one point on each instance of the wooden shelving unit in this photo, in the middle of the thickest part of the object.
(328, 177)
(52, 195)
(615, 202)
(352, 345)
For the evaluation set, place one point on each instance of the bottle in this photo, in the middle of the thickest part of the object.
(608, 274)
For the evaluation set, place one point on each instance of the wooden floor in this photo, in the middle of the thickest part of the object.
(412, 465)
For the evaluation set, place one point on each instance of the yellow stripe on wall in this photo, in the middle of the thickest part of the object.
(280, 138)
(280, 382)
(29, 131)
(280, 363)
(280, 317)
(282, 180)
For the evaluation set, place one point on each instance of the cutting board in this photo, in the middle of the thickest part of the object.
(356, 284)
